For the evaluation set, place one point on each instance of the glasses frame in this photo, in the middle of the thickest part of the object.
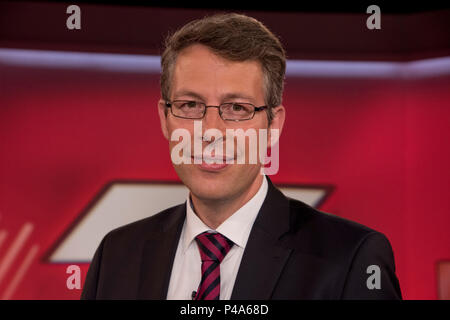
(255, 109)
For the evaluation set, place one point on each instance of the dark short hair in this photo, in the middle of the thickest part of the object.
(235, 37)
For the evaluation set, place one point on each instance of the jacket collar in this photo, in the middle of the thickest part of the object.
(264, 256)
(158, 255)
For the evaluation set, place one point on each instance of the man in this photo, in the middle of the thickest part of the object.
(236, 236)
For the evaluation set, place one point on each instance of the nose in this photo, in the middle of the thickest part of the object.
(212, 119)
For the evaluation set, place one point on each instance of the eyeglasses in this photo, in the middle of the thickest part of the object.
(230, 111)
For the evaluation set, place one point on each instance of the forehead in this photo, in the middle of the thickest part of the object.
(198, 69)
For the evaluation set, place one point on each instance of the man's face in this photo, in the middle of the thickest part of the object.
(202, 76)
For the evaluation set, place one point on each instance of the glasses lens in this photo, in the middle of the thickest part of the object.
(188, 109)
(237, 111)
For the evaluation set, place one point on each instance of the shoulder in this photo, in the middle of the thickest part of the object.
(327, 233)
(302, 213)
(346, 250)
(136, 232)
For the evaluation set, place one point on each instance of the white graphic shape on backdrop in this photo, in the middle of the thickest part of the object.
(123, 203)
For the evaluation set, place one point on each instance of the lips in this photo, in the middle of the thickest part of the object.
(211, 166)
(211, 159)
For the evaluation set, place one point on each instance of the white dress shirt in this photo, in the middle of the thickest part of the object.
(186, 271)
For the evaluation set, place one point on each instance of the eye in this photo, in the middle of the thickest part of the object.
(189, 105)
(241, 108)
(237, 107)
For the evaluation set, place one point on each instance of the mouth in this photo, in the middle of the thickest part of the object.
(210, 164)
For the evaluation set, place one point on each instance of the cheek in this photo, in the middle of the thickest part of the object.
(180, 144)
(179, 126)
(254, 145)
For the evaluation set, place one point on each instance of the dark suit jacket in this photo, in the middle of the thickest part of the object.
(294, 252)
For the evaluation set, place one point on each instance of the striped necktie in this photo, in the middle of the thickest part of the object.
(213, 247)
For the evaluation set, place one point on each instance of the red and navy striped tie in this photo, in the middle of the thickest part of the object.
(213, 247)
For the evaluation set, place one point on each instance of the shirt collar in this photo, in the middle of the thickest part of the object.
(236, 228)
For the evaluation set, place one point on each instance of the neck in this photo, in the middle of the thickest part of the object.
(214, 212)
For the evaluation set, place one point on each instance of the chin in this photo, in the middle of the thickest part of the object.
(208, 189)
(216, 186)
(208, 194)
(205, 185)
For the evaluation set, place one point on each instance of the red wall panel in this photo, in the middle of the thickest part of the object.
(382, 143)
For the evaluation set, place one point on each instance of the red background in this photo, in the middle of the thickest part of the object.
(381, 143)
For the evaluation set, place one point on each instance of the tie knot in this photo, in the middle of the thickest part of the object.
(213, 246)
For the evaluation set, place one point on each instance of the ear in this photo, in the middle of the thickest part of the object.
(279, 115)
(162, 109)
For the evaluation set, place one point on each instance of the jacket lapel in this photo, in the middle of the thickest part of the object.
(158, 255)
(264, 256)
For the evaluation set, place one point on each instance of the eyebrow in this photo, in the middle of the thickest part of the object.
(227, 96)
(237, 95)
(188, 93)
